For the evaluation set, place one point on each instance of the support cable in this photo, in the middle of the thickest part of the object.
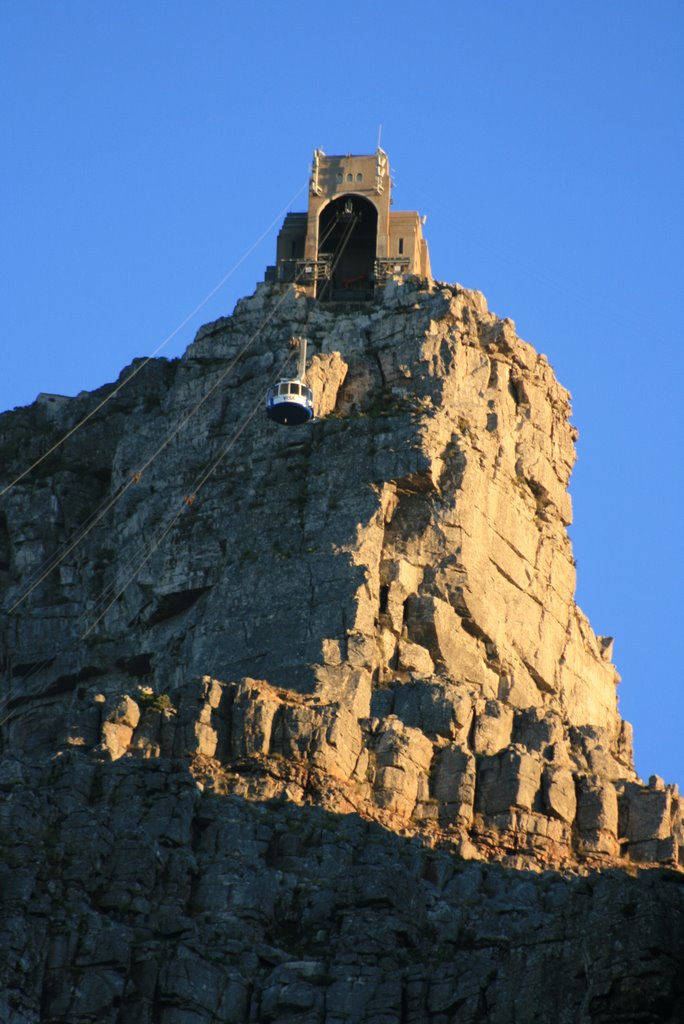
(147, 359)
(187, 502)
(136, 476)
(50, 564)
(339, 252)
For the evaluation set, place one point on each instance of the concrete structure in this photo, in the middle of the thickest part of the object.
(349, 241)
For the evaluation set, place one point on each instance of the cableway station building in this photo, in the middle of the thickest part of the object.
(349, 241)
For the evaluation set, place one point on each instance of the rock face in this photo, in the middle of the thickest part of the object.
(304, 724)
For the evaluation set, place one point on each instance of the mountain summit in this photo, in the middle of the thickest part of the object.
(304, 724)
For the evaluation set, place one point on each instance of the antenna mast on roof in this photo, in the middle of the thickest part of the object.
(379, 135)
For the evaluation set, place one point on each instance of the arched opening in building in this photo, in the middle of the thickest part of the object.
(347, 234)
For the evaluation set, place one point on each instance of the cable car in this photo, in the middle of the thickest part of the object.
(290, 401)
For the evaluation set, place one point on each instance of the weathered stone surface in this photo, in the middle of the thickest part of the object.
(247, 911)
(261, 719)
(436, 708)
(511, 778)
(325, 375)
(493, 727)
(559, 793)
(120, 717)
(597, 815)
(648, 812)
(402, 757)
(433, 624)
(414, 658)
(454, 783)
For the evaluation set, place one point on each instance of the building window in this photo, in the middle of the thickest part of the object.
(401, 246)
(339, 175)
(350, 176)
(359, 176)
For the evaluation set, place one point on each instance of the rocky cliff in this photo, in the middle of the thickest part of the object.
(304, 724)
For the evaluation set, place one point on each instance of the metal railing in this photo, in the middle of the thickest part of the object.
(306, 271)
(387, 266)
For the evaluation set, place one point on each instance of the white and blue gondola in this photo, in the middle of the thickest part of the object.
(290, 402)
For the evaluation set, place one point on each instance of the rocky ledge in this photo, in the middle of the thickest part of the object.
(305, 725)
(133, 894)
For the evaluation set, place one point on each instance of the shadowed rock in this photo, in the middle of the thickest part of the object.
(308, 726)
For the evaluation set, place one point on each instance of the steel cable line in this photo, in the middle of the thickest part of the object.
(58, 557)
(186, 503)
(147, 359)
(54, 562)
(135, 477)
(339, 252)
(51, 563)
(188, 499)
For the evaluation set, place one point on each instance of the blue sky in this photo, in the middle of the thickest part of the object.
(147, 145)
